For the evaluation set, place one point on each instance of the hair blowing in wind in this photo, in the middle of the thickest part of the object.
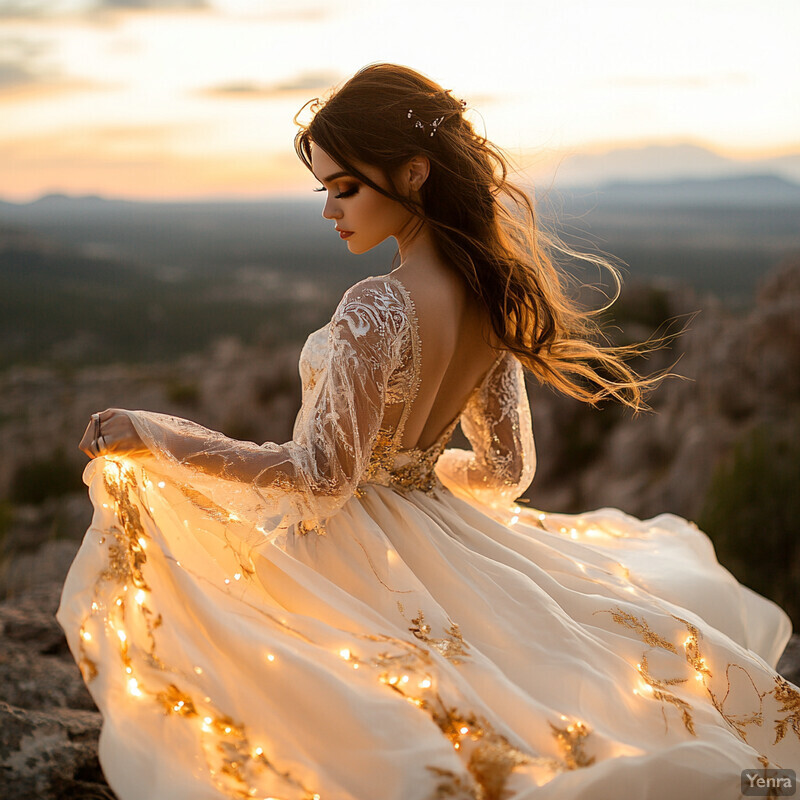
(499, 247)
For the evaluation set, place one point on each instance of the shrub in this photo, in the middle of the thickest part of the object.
(752, 513)
(35, 481)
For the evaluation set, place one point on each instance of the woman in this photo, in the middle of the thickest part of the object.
(362, 613)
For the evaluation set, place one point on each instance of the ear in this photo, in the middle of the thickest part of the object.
(415, 173)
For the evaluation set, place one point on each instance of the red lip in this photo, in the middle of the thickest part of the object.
(345, 234)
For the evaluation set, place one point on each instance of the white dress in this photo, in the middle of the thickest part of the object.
(335, 618)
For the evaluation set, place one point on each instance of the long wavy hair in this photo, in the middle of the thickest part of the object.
(383, 116)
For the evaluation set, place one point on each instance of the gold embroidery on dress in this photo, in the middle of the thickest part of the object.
(452, 646)
(789, 698)
(783, 692)
(571, 740)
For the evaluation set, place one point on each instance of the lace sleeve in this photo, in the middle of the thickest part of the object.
(308, 478)
(497, 422)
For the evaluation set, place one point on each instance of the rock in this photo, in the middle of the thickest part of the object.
(789, 662)
(45, 567)
(49, 724)
(50, 754)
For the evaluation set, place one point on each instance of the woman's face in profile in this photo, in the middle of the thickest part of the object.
(369, 216)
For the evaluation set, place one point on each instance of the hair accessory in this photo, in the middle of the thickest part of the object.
(433, 124)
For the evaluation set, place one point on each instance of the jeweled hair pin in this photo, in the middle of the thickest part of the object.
(433, 124)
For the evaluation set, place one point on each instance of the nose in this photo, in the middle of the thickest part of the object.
(330, 209)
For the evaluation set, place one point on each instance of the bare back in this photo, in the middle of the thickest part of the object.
(453, 329)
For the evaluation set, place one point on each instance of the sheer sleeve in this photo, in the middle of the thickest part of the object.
(308, 478)
(497, 422)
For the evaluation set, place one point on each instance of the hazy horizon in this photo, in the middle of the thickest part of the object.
(196, 98)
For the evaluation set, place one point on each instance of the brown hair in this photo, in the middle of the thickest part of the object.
(504, 258)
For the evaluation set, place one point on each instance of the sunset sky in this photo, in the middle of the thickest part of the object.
(186, 98)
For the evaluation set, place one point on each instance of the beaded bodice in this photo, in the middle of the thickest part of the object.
(389, 464)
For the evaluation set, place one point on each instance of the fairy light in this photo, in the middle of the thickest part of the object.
(198, 670)
(87, 637)
(133, 687)
(237, 575)
(465, 729)
(122, 636)
(142, 544)
(424, 684)
(140, 596)
(345, 654)
(161, 484)
(270, 657)
(227, 580)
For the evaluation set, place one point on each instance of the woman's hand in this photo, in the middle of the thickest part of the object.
(110, 431)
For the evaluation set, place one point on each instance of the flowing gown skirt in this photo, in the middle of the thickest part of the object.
(417, 647)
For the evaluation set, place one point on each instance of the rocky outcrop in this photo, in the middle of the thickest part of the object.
(49, 725)
(739, 371)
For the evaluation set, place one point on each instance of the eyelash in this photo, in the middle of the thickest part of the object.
(348, 193)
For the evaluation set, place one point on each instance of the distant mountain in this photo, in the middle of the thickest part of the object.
(664, 162)
(740, 191)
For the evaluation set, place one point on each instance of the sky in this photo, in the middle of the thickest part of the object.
(167, 99)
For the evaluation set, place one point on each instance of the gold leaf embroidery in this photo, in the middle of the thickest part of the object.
(640, 626)
(789, 698)
(571, 740)
(452, 646)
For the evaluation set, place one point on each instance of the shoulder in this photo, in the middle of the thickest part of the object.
(373, 308)
(380, 291)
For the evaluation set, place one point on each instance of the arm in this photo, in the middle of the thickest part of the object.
(497, 422)
(308, 478)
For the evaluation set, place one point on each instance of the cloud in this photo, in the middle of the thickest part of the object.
(676, 81)
(20, 63)
(59, 9)
(304, 82)
(151, 5)
(25, 70)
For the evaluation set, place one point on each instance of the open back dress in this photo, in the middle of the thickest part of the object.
(337, 618)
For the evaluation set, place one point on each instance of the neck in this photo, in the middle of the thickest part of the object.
(417, 251)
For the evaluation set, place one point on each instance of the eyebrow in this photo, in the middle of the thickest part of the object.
(334, 176)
